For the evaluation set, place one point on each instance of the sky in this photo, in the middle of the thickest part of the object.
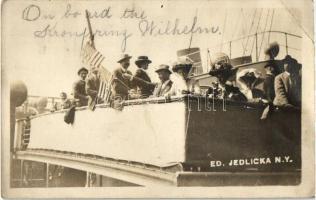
(42, 39)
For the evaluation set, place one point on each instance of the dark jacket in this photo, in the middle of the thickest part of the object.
(92, 86)
(268, 87)
(233, 93)
(120, 85)
(145, 89)
(79, 92)
(69, 117)
(257, 88)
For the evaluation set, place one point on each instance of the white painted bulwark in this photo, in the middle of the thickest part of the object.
(148, 133)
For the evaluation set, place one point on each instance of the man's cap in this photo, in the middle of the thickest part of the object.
(124, 57)
(292, 61)
(163, 67)
(289, 60)
(142, 59)
(82, 69)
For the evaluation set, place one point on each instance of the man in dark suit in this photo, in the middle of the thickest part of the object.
(268, 83)
(92, 87)
(93, 83)
(122, 84)
(79, 88)
(146, 90)
(287, 85)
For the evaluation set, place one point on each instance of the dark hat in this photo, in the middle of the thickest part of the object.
(163, 67)
(272, 50)
(289, 60)
(142, 59)
(82, 69)
(225, 69)
(183, 64)
(124, 57)
(249, 76)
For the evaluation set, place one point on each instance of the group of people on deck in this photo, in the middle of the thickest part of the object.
(275, 87)
(247, 85)
(281, 89)
(126, 85)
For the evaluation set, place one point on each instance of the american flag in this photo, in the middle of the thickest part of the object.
(93, 59)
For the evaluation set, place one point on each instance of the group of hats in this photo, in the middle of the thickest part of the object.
(140, 59)
(122, 58)
(181, 63)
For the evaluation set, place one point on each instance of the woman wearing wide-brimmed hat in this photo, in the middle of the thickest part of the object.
(183, 84)
(224, 89)
(251, 84)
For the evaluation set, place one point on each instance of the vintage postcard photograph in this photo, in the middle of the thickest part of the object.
(157, 98)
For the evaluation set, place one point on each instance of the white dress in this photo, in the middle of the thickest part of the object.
(182, 86)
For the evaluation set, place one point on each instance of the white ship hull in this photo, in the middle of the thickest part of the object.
(147, 133)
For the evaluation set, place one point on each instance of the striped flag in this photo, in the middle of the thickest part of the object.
(93, 59)
(105, 84)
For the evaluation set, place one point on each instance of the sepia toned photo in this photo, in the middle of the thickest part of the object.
(125, 98)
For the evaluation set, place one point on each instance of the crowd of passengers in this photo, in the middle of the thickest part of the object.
(280, 85)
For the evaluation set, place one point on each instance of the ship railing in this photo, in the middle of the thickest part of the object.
(33, 98)
(50, 99)
(22, 133)
(187, 98)
(256, 41)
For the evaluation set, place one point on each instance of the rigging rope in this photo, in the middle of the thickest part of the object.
(297, 22)
(264, 31)
(244, 27)
(253, 43)
(236, 25)
(252, 23)
(270, 26)
(243, 30)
